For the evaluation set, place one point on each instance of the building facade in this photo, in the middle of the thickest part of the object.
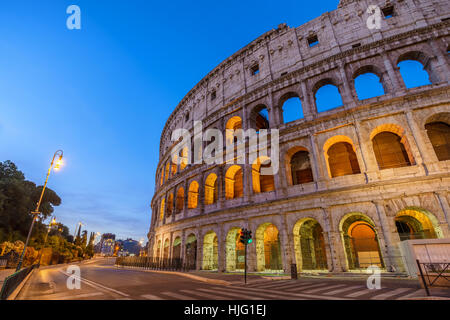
(353, 181)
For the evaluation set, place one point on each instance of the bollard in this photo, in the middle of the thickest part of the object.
(293, 271)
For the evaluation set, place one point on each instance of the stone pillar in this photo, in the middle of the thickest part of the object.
(391, 253)
(170, 246)
(221, 187)
(288, 243)
(419, 142)
(445, 207)
(183, 245)
(394, 75)
(201, 193)
(335, 254)
(441, 65)
(369, 162)
(323, 176)
(274, 112)
(344, 89)
(251, 248)
(221, 248)
(199, 262)
(309, 110)
(185, 200)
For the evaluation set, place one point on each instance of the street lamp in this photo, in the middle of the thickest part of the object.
(35, 213)
(52, 223)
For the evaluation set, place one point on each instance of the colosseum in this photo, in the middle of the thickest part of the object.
(356, 177)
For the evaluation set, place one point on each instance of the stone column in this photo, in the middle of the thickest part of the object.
(323, 176)
(394, 75)
(419, 142)
(185, 200)
(309, 110)
(335, 254)
(221, 187)
(366, 151)
(443, 203)
(221, 248)
(391, 253)
(199, 262)
(344, 89)
(201, 193)
(183, 245)
(288, 241)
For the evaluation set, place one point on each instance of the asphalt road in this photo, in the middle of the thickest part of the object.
(101, 280)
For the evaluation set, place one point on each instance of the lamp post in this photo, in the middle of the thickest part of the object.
(36, 212)
(52, 223)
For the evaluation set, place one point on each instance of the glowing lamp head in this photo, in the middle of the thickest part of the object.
(58, 163)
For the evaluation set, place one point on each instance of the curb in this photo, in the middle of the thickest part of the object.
(187, 275)
(16, 291)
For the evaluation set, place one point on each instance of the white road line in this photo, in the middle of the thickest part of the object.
(325, 288)
(95, 284)
(263, 295)
(389, 294)
(342, 290)
(292, 286)
(417, 293)
(208, 296)
(361, 293)
(80, 296)
(313, 286)
(270, 285)
(229, 294)
(177, 296)
(283, 296)
(151, 297)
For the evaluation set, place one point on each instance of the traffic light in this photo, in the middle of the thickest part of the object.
(242, 236)
(249, 236)
(245, 236)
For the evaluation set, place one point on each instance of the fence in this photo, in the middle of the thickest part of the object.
(151, 263)
(3, 262)
(434, 274)
(14, 280)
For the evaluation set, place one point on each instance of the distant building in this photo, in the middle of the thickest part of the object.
(106, 245)
(128, 247)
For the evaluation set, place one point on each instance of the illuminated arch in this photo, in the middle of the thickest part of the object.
(169, 209)
(417, 223)
(161, 210)
(234, 182)
(309, 245)
(190, 262)
(268, 248)
(210, 251)
(262, 183)
(438, 131)
(211, 190)
(298, 166)
(233, 124)
(340, 155)
(235, 250)
(179, 206)
(193, 195)
(176, 248)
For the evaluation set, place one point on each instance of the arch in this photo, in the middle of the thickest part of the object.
(309, 245)
(169, 209)
(235, 250)
(360, 239)
(391, 147)
(166, 174)
(210, 251)
(158, 249)
(191, 252)
(416, 70)
(291, 107)
(173, 165)
(262, 183)
(299, 169)
(180, 200)
(233, 124)
(193, 195)
(176, 248)
(211, 190)
(184, 158)
(233, 182)
(166, 249)
(369, 82)
(439, 135)
(417, 223)
(327, 95)
(268, 248)
(259, 118)
(161, 176)
(340, 155)
(161, 210)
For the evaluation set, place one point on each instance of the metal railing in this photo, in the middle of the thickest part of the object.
(151, 263)
(432, 272)
(3, 262)
(13, 281)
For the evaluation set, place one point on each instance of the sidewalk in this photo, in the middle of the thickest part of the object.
(5, 273)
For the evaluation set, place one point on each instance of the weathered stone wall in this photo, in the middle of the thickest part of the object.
(288, 67)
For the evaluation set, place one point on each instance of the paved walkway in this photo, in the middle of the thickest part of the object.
(4, 273)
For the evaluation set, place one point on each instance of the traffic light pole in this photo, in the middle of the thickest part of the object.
(245, 266)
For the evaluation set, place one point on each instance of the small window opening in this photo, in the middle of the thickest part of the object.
(255, 69)
(313, 40)
(388, 12)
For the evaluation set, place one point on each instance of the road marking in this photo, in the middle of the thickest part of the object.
(233, 295)
(273, 285)
(361, 293)
(177, 296)
(80, 296)
(342, 290)
(151, 297)
(413, 294)
(205, 295)
(325, 288)
(271, 295)
(389, 294)
(291, 286)
(313, 286)
(95, 284)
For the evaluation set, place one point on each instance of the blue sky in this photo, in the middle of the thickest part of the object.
(103, 93)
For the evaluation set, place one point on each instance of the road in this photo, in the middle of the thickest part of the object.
(101, 280)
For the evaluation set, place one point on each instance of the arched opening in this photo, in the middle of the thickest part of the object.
(327, 95)
(413, 72)
(180, 200)
(210, 251)
(300, 165)
(161, 210)
(292, 108)
(191, 252)
(158, 250)
(259, 118)
(262, 182)
(439, 135)
(390, 151)
(169, 209)
(235, 251)
(193, 195)
(211, 191)
(368, 83)
(342, 159)
(233, 124)
(184, 158)
(161, 176)
(166, 175)
(310, 245)
(166, 249)
(173, 165)
(234, 183)
(360, 242)
(413, 223)
(176, 253)
(268, 248)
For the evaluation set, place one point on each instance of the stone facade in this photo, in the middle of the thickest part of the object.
(289, 67)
